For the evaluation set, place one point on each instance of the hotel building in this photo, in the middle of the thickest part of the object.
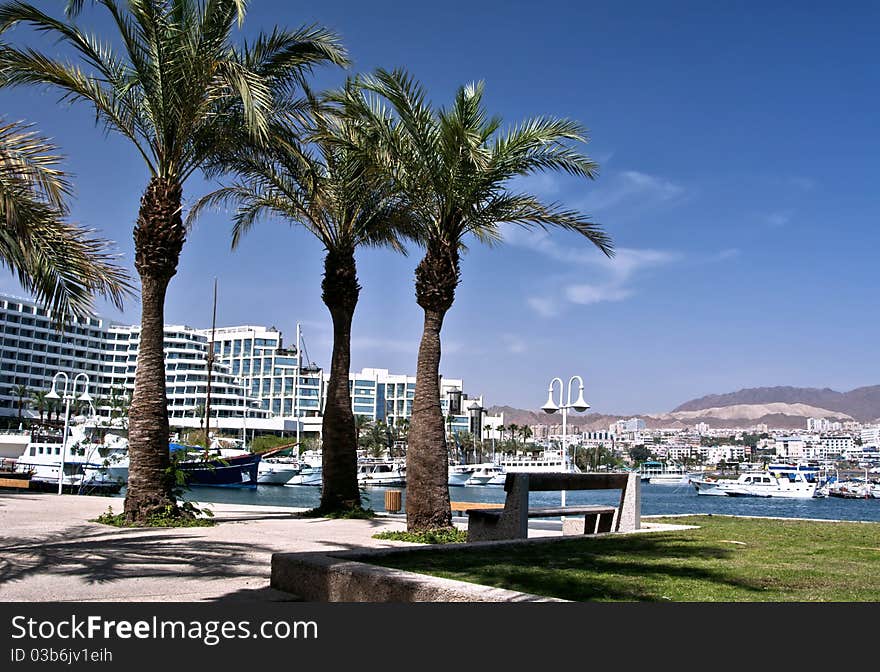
(257, 383)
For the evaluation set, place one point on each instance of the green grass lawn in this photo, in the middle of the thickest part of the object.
(725, 560)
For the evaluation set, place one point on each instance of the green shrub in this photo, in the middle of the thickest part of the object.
(442, 535)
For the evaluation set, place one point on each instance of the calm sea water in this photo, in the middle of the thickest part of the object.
(656, 500)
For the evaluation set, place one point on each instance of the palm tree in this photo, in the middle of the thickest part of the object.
(61, 264)
(179, 90)
(331, 192)
(455, 166)
(513, 429)
(23, 394)
(39, 400)
(526, 432)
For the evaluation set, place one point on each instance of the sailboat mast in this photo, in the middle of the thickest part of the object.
(209, 360)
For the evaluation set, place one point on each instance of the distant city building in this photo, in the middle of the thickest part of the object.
(790, 447)
(823, 425)
(836, 445)
(870, 436)
(630, 426)
(701, 428)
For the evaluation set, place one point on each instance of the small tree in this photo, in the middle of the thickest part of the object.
(639, 453)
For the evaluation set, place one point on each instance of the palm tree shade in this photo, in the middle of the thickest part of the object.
(180, 91)
(455, 166)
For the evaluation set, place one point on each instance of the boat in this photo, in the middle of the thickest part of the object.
(381, 473)
(277, 470)
(663, 473)
(459, 473)
(217, 468)
(792, 485)
(313, 476)
(487, 474)
(83, 470)
(548, 462)
(13, 443)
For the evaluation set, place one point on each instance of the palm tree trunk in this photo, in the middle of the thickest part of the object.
(158, 238)
(339, 453)
(427, 456)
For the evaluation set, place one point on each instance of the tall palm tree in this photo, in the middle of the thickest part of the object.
(40, 402)
(61, 264)
(335, 195)
(22, 393)
(179, 90)
(455, 166)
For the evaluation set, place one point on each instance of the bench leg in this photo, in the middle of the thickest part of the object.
(590, 523)
(606, 521)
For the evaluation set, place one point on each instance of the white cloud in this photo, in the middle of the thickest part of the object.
(631, 188)
(589, 294)
(544, 307)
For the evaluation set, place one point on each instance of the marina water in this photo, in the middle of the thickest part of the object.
(656, 500)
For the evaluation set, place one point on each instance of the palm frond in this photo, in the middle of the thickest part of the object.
(61, 264)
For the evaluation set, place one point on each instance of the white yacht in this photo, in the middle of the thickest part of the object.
(13, 442)
(663, 473)
(311, 471)
(277, 470)
(381, 473)
(86, 460)
(548, 462)
(460, 473)
(792, 485)
(486, 474)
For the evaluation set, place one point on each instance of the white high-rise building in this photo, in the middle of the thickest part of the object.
(257, 383)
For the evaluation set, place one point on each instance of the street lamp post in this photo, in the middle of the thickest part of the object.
(564, 404)
(67, 399)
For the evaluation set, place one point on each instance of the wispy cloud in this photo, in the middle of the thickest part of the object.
(631, 188)
(545, 307)
(589, 294)
(515, 345)
(779, 218)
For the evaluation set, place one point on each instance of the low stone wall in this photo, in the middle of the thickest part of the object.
(346, 576)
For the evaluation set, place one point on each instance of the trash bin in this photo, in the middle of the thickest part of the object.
(392, 501)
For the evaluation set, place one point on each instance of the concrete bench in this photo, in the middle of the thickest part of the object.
(512, 522)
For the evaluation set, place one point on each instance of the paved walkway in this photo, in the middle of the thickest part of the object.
(49, 551)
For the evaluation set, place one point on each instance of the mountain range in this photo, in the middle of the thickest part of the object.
(782, 407)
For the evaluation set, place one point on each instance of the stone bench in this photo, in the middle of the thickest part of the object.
(512, 522)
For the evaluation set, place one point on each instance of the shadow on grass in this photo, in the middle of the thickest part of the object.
(610, 568)
(99, 557)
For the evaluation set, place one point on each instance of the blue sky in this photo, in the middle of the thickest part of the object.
(738, 149)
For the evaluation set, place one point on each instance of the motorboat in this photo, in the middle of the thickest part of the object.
(791, 485)
(484, 474)
(663, 473)
(460, 473)
(381, 473)
(307, 475)
(277, 470)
